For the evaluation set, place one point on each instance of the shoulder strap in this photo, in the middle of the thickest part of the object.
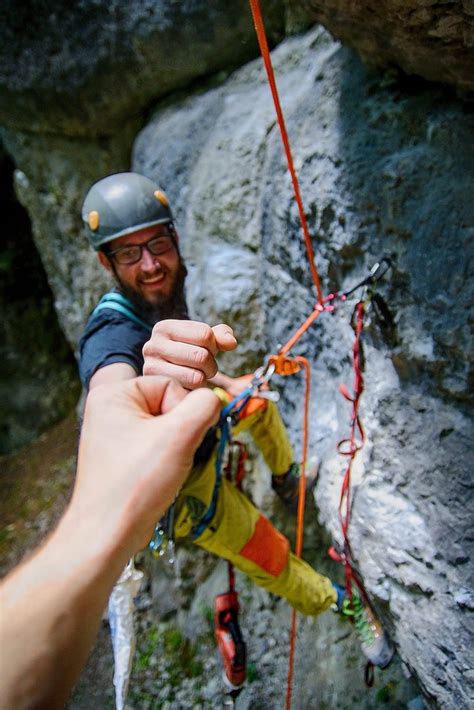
(117, 302)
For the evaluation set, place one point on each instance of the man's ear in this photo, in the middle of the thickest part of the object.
(104, 261)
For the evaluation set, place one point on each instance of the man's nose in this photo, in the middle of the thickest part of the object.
(148, 261)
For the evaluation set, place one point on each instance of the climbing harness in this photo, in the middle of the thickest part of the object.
(229, 415)
(227, 631)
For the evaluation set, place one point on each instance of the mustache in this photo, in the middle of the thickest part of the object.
(151, 276)
(174, 306)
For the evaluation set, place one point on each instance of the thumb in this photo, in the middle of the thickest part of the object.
(224, 335)
(192, 417)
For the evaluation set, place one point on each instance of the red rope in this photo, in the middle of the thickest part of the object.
(262, 40)
(349, 447)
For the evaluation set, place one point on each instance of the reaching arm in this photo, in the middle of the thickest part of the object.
(131, 463)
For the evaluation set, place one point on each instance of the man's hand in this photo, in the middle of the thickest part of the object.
(186, 350)
(131, 461)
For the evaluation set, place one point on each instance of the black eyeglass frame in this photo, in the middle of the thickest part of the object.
(112, 253)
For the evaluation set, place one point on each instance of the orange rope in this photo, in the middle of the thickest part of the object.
(301, 331)
(300, 520)
(283, 364)
(262, 40)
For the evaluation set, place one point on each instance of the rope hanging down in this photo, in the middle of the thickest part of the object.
(286, 366)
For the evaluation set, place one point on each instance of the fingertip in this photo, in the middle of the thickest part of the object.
(225, 337)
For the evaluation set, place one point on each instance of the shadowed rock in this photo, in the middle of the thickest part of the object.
(432, 39)
(84, 68)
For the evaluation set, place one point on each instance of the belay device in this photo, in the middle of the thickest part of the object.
(226, 606)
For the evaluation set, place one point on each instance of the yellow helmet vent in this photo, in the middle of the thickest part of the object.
(160, 195)
(93, 220)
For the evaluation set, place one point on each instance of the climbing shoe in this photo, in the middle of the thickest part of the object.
(374, 641)
(286, 486)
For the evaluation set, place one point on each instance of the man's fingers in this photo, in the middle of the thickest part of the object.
(183, 331)
(188, 377)
(193, 356)
(225, 338)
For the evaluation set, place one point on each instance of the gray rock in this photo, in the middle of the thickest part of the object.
(373, 163)
(431, 39)
(86, 69)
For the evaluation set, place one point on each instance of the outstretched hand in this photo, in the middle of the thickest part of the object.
(137, 446)
(186, 350)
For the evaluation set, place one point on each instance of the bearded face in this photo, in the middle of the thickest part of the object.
(154, 282)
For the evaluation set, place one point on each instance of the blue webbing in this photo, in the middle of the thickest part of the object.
(117, 302)
(225, 427)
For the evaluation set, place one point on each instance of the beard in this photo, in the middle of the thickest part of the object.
(172, 306)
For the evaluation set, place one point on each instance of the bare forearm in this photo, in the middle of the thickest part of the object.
(72, 576)
(130, 465)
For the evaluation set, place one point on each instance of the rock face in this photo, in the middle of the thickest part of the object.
(385, 167)
(382, 173)
(429, 38)
(38, 381)
(85, 69)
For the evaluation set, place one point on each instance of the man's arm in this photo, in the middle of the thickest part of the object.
(131, 464)
(116, 372)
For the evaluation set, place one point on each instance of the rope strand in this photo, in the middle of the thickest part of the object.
(262, 41)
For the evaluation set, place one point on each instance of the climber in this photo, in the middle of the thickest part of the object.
(143, 325)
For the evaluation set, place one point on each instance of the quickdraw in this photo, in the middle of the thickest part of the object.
(350, 447)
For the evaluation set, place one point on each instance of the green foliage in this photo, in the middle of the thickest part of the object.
(252, 672)
(385, 693)
(166, 657)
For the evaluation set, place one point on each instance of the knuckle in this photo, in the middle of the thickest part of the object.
(151, 367)
(199, 356)
(206, 334)
(147, 368)
(160, 326)
(197, 379)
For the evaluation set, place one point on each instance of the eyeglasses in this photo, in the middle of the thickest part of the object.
(133, 253)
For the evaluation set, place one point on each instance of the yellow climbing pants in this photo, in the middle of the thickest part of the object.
(238, 532)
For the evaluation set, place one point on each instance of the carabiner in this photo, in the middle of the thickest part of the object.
(379, 269)
(376, 273)
(263, 374)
